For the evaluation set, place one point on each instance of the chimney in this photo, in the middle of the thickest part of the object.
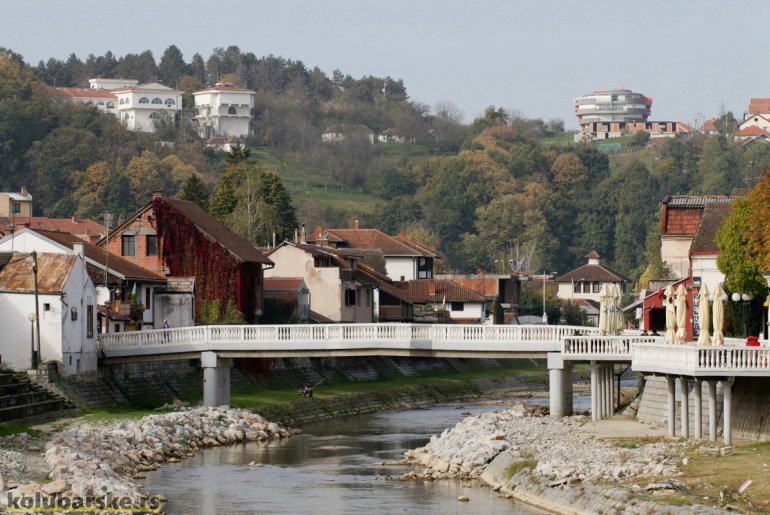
(431, 287)
(356, 225)
(157, 194)
(79, 249)
(24, 191)
(75, 219)
(302, 234)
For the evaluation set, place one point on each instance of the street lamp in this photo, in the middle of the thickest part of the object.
(545, 315)
(33, 358)
(745, 298)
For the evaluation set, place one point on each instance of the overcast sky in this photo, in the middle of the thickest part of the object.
(533, 56)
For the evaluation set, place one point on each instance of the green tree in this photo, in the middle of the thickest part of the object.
(719, 166)
(195, 191)
(738, 258)
(171, 66)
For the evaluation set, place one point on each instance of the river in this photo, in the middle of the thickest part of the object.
(337, 466)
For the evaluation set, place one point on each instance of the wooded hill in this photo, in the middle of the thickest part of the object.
(504, 192)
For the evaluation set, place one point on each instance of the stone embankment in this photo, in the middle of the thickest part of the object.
(551, 464)
(87, 461)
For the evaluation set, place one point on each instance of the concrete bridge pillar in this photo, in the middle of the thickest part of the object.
(671, 405)
(559, 385)
(685, 406)
(712, 410)
(727, 412)
(216, 379)
(698, 400)
(595, 391)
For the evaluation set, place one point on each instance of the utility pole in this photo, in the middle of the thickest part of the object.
(545, 315)
(39, 357)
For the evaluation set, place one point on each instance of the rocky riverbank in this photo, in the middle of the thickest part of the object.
(553, 465)
(87, 461)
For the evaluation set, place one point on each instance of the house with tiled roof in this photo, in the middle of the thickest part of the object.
(86, 230)
(586, 282)
(752, 134)
(116, 278)
(704, 250)
(438, 298)
(335, 133)
(338, 290)
(176, 238)
(61, 326)
(709, 127)
(405, 259)
(103, 100)
(224, 110)
(680, 217)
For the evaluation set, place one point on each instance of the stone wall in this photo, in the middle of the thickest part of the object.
(751, 406)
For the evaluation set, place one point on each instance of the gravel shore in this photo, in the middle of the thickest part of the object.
(552, 464)
(89, 461)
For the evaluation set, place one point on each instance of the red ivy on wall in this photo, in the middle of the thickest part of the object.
(187, 252)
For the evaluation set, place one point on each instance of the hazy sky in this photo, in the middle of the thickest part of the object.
(534, 56)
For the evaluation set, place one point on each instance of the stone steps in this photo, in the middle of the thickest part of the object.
(21, 399)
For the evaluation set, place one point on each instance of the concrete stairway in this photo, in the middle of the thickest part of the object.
(22, 399)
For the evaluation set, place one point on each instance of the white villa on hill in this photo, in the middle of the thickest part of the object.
(223, 110)
(140, 106)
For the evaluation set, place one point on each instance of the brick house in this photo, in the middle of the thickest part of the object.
(177, 238)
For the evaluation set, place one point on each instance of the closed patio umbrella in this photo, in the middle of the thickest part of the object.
(681, 315)
(670, 314)
(603, 310)
(617, 312)
(719, 317)
(703, 316)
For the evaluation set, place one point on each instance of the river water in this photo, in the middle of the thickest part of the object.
(337, 466)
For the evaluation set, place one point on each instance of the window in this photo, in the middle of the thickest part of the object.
(127, 247)
(170, 102)
(576, 287)
(110, 105)
(15, 208)
(147, 297)
(153, 116)
(350, 297)
(74, 313)
(424, 268)
(151, 247)
(121, 101)
(100, 103)
(46, 307)
(587, 287)
(596, 287)
(457, 306)
(117, 328)
(144, 100)
(231, 110)
(90, 321)
(156, 100)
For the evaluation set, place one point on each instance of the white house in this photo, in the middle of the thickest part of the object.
(106, 83)
(704, 250)
(460, 303)
(66, 306)
(336, 133)
(110, 273)
(585, 282)
(223, 110)
(336, 291)
(140, 106)
(291, 292)
(405, 259)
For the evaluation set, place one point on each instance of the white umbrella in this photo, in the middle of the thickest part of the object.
(681, 315)
(617, 312)
(703, 316)
(719, 317)
(670, 314)
(603, 307)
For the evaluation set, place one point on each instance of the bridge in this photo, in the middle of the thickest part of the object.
(562, 346)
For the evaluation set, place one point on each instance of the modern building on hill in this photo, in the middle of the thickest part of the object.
(612, 105)
(141, 106)
(224, 110)
(102, 99)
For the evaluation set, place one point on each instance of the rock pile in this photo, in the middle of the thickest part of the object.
(88, 460)
(554, 449)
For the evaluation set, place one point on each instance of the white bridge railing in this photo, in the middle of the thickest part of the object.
(602, 345)
(245, 334)
(662, 357)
